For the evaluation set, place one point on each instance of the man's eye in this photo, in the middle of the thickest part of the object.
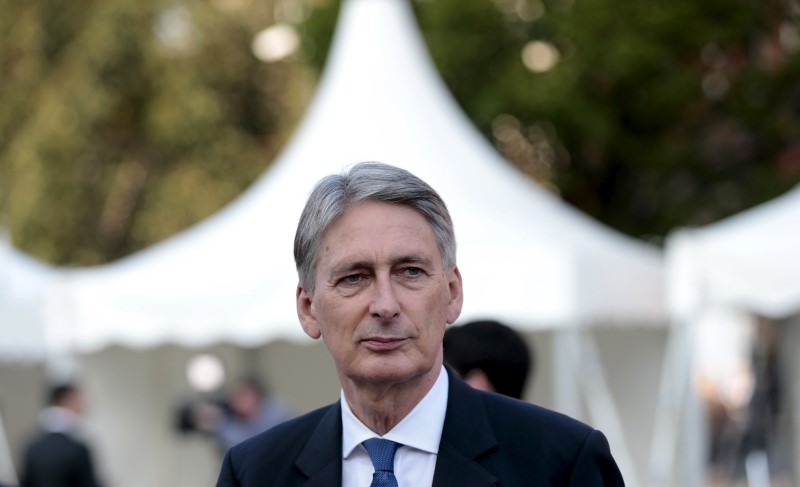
(413, 271)
(352, 279)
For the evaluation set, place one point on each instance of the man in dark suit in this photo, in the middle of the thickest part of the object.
(58, 457)
(378, 282)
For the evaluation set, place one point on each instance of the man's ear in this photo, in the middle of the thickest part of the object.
(306, 313)
(456, 296)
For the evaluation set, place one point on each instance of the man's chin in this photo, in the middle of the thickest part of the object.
(389, 370)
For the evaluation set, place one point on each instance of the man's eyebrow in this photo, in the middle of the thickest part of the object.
(412, 259)
(349, 267)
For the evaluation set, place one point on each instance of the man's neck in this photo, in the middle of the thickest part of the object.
(58, 419)
(381, 406)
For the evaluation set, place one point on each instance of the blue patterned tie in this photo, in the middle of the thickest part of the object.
(381, 452)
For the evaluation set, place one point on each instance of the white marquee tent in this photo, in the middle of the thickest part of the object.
(23, 284)
(747, 263)
(232, 278)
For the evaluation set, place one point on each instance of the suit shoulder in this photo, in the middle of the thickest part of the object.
(569, 447)
(55, 441)
(524, 417)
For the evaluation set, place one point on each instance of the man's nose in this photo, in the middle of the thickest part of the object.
(384, 303)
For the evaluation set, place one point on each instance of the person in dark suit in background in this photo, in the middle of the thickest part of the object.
(489, 356)
(378, 282)
(58, 456)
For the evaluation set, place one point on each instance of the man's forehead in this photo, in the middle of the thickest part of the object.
(400, 242)
(373, 232)
(350, 254)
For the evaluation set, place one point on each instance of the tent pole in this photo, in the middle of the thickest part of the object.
(7, 472)
(694, 432)
(678, 418)
(788, 351)
(668, 409)
(566, 344)
(602, 408)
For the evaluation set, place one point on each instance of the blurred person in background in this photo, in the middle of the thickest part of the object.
(489, 356)
(58, 456)
(761, 437)
(247, 410)
(251, 411)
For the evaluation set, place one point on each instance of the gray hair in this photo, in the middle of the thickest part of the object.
(367, 181)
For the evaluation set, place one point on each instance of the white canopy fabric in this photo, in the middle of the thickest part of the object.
(747, 262)
(526, 257)
(23, 284)
(717, 276)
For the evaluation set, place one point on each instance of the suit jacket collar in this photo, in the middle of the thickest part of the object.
(321, 458)
(466, 436)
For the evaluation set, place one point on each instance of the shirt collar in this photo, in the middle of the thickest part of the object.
(420, 429)
(56, 419)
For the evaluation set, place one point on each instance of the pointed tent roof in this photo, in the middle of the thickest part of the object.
(526, 257)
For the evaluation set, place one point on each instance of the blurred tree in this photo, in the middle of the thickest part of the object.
(124, 122)
(647, 115)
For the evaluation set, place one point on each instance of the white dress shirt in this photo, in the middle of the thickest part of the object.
(57, 419)
(418, 433)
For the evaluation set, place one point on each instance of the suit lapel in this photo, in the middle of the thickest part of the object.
(466, 435)
(321, 458)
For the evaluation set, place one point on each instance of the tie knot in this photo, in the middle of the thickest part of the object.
(381, 452)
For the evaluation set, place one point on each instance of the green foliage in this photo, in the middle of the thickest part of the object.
(318, 31)
(127, 121)
(658, 113)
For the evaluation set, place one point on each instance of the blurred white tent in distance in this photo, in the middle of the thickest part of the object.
(722, 276)
(748, 261)
(23, 285)
(719, 278)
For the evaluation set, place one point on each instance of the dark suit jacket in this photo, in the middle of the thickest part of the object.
(57, 460)
(488, 439)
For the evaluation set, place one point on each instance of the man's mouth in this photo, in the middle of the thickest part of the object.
(384, 343)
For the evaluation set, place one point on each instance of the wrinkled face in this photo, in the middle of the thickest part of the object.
(382, 298)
